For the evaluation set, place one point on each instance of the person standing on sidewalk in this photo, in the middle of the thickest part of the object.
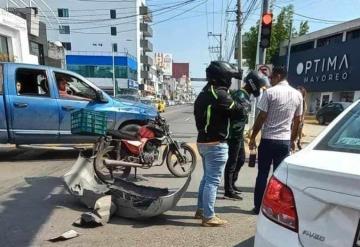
(214, 108)
(303, 92)
(253, 84)
(280, 107)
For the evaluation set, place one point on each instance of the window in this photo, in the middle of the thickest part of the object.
(113, 31)
(100, 71)
(32, 82)
(335, 39)
(67, 46)
(112, 13)
(64, 29)
(4, 49)
(114, 47)
(345, 135)
(302, 47)
(63, 12)
(37, 50)
(353, 34)
(73, 88)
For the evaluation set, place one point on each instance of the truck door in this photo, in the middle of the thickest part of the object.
(3, 124)
(33, 107)
(73, 94)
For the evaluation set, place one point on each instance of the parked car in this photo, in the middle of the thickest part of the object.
(330, 111)
(313, 198)
(36, 103)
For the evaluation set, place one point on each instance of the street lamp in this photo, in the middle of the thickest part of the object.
(60, 45)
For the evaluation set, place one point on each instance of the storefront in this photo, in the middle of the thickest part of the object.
(329, 73)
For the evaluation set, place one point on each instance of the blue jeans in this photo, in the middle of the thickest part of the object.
(270, 152)
(214, 157)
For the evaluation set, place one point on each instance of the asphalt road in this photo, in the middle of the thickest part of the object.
(34, 205)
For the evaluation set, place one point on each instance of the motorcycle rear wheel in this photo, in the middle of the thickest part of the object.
(183, 169)
(103, 172)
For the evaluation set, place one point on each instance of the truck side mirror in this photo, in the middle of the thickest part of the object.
(100, 97)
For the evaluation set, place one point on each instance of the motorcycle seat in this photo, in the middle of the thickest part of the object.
(129, 132)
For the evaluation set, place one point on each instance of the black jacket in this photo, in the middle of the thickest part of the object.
(214, 108)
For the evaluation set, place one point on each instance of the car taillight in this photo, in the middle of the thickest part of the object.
(279, 205)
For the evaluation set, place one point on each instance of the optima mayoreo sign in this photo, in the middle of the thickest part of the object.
(331, 68)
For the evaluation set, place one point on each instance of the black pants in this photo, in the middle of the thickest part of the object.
(270, 152)
(234, 163)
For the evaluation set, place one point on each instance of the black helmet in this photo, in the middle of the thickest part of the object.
(220, 73)
(255, 82)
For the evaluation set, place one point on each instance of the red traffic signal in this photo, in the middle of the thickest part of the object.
(266, 23)
(267, 18)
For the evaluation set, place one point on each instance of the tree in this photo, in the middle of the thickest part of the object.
(280, 33)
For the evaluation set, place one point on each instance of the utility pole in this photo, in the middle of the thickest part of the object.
(214, 48)
(289, 47)
(239, 38)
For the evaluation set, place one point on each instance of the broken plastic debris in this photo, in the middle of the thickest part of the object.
(65, 236)
(88, 220)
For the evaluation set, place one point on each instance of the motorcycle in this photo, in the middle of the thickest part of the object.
(140, 147)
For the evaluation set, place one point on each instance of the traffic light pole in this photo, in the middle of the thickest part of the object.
(239, 40)
(260, 59)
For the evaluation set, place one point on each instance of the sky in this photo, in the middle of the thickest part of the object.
(186, 37)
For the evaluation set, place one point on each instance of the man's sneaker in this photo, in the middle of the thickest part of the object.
(199, 215)
(236, 189)
(214, 221)
(233, 196)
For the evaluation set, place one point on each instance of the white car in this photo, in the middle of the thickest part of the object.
(313, 198)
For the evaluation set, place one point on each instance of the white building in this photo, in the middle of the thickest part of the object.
(14, 42)
(93, 31)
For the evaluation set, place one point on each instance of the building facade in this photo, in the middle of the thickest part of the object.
(99, 37)
(326, 63)
(14, 39)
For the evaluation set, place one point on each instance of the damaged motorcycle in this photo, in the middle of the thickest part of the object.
(136, 146)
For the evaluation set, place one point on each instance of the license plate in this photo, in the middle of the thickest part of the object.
(357, 237)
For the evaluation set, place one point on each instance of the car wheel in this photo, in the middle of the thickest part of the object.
(321, 120)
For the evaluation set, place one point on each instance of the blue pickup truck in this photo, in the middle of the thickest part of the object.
(36, 103)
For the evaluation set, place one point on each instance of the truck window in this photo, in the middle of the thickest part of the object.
(32, 82)
(73, 88)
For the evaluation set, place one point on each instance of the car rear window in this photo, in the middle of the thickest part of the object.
(345, 135)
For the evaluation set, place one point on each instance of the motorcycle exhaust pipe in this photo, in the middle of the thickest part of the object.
(109, 162)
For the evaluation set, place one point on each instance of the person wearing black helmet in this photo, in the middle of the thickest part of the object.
(214, 108)
(253, 83)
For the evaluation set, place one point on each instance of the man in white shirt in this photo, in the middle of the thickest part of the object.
(280, 107)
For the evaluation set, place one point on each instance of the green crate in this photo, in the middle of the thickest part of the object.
(87, 122)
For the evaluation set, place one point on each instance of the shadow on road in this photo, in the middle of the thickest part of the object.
(165, 219)
(9, 155)
(28, 208)
(246, 243)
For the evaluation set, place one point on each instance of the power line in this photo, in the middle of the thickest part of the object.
(311, 18)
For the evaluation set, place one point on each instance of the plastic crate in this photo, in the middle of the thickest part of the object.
(87, 122)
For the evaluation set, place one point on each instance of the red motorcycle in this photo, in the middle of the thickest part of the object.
(141, 147)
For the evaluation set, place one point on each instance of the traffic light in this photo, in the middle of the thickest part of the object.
(266, 23)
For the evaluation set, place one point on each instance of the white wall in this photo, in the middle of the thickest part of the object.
(15, 29)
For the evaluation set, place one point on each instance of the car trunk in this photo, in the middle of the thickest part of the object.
(326, 186)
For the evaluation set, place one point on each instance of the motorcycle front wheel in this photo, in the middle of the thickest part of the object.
(181, 168)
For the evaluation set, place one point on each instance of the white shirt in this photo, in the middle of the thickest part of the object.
(281, 102)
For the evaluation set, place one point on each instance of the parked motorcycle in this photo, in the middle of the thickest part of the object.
(142, 147)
